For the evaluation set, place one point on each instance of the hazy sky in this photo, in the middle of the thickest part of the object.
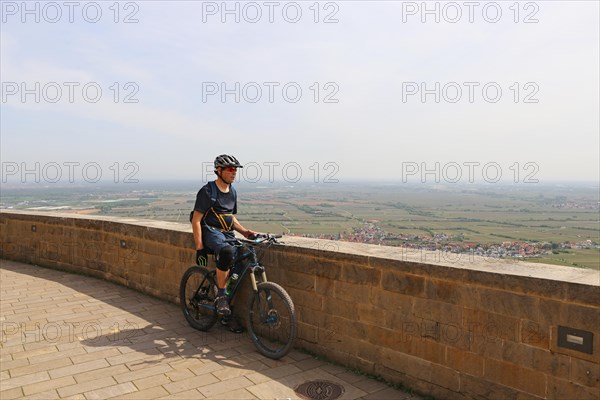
(327, 90)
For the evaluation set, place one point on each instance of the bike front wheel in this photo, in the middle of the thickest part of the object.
(197, 293)
(272, 321)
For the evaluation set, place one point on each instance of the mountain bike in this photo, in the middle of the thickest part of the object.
(271, 316)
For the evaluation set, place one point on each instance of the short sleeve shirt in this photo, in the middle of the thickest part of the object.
(220, 215)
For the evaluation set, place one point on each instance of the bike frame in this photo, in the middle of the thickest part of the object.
(248, 252)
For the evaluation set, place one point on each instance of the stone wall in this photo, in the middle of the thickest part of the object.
(452, 326)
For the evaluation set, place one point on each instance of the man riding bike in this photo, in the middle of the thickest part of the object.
(213, 222)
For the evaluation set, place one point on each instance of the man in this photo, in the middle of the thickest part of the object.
(213, 222)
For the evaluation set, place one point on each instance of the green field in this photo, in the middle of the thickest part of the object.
(586, 258)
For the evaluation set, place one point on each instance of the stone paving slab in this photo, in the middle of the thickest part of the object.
(69, 336)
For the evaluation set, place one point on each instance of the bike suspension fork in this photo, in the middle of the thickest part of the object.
(253, 279)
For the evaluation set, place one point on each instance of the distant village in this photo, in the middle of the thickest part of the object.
(371, 233)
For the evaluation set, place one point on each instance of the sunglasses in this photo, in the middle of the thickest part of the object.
(230, 169)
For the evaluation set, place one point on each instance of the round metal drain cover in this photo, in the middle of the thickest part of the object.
(320, 390)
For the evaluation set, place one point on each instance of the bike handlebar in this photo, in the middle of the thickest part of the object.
(257, 239)
(261, 238)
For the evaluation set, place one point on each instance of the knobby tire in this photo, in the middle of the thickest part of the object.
(197, 293)
(272, 323)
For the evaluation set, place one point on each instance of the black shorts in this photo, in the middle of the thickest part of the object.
(215, 240)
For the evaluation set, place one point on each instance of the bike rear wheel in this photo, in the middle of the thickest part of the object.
(272, 321)
(197, 293)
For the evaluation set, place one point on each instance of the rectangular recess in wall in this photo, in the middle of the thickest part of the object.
(575, 339)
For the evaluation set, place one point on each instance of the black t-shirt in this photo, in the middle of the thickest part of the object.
(220, 216)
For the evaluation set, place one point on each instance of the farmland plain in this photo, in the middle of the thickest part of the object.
(555, 223)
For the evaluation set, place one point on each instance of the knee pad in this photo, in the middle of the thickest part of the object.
(225, 258)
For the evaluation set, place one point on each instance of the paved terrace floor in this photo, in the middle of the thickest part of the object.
(70, 336)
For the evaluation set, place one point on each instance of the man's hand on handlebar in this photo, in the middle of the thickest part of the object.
(266, 236)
